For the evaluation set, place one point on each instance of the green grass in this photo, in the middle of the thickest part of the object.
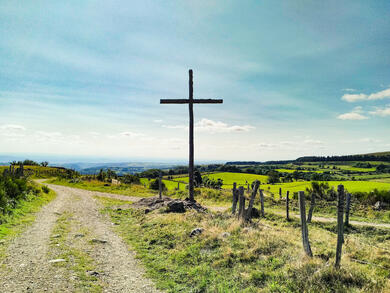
(229, 178)
(242, 178)
(37, 171)
(351, 186)
(77, 261)
(266, 256)
(292, 171)
(94, 185)
(23, 216)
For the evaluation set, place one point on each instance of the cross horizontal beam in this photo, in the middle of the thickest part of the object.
(187, 101)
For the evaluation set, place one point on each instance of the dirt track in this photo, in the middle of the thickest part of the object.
(27, 266)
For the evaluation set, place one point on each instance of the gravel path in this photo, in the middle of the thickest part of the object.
(27, 266)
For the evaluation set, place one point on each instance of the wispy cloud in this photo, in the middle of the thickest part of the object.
(385, 111)
(207, 125)
(385, 94)
(355, 114)
(12, 127)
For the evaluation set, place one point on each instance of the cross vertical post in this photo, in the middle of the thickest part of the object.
(191, 101)
(191, 138)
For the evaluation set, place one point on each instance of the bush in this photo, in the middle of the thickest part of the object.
(154, 184)
(45, 189)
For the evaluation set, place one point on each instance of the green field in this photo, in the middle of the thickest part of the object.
(292, 171)
(351, 186)
(230, 178)
(243, 178)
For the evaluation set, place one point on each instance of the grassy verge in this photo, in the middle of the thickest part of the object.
(265, 256)
(94, 185)
(77, 261)
(22, 216)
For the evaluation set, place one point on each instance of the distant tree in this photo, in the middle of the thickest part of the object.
(130, 179)
(273, 177)
(154, 184)
(197, 178)
(101, 176)
(44, 164)
(29, 163)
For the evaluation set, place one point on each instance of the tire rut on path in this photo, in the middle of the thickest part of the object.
(26, 267)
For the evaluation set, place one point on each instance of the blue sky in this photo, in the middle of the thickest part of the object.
(84, 78)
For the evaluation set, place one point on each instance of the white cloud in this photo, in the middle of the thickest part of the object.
(355, 114)
(157, 121)
(313, 142)
(130, 134)
(354, 97)
(349, 90)
(12, 130)
(12, 127)
(207, 125)
(352, 116)
(381, 112)
(363, 97)
(264, 145)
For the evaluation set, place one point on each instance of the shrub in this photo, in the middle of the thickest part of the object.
(45, 189)
(154, 184)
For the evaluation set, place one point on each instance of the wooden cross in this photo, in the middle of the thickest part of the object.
(191, 101)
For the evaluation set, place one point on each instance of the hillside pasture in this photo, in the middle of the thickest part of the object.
(230, 178)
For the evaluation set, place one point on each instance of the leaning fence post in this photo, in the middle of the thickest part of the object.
(235, 198)
(262, 203)
(159, 185)
(287, 205)
(347, 209)
(241, 202)
(305, 232)
(248, 212)
(340, 224)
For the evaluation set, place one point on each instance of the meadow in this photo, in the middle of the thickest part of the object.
(242, 179)
(263, 256)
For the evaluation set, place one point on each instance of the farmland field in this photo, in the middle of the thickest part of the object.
(230, 178)
(242, 178)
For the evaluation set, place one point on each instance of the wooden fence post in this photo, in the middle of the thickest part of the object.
(311, 209)
(280, 193)
(287, 205)
(241, 202)
(305, 232)
(347, 209)
(160, 185)
(340, 224)
(235, 198)
(248, 212)
(262, 203)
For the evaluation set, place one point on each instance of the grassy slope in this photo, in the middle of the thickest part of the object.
(265, 256)
(94, 185)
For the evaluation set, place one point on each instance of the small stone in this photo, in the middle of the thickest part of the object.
(56, 236)
(79, 235)
(92, 273)
(94, 240)
(57, 260)
(225, 234)
(196, 231)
